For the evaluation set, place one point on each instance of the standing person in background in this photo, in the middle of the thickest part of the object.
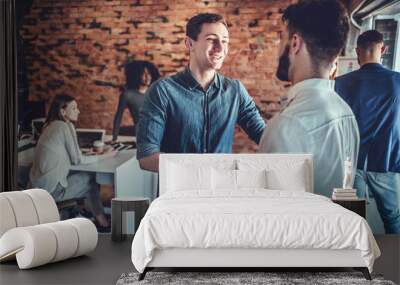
(139, 76)
(197, 109)
(373, 92)
(58, 149)
(315, 120)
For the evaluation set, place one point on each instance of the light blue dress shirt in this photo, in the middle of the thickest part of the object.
(316, 121)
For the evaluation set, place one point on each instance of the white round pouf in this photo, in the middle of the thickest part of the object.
(31, 233)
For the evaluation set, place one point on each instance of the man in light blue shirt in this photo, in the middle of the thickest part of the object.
(315, 120)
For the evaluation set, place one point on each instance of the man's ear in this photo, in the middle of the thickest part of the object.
(188, 42)
(384, 49)
(296, 43)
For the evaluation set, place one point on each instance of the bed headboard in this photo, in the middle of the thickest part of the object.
(279, 162)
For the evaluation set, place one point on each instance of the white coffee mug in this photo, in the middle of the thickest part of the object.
(98, 146)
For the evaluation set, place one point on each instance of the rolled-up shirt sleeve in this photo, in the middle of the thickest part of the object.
(249, 118)
(152, 120)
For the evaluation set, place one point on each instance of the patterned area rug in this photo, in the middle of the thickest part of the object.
(242, 278)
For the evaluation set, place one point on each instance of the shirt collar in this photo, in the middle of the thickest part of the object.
(372, 66)
(191, 82)
(314, 83)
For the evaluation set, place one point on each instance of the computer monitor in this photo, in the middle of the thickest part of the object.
(86, 137)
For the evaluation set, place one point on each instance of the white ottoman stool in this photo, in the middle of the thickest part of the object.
(31, 232)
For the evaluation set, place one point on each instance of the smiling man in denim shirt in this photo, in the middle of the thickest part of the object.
(197, 109)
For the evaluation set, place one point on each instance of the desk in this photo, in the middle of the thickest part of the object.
(26, 152)
(123, 171)
(121, 139)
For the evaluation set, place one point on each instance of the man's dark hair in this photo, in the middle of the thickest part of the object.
(194, 25)
(369, 38)
(323, 24)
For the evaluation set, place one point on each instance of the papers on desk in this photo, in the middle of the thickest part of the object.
(122, 146)
(116, 147)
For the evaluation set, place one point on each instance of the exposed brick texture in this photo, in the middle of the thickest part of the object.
(80, 47)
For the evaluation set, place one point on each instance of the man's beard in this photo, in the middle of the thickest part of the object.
(282, 72)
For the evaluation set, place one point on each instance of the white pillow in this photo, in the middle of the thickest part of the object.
(224, 179)
(292, 179)
(292, 175)
(182, 177)
(251, 178)
(227, 179)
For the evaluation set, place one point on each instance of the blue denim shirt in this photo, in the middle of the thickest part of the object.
(178, 116)
(373, 93)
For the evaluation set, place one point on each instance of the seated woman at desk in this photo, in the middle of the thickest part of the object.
(139, 76)
(56, 150)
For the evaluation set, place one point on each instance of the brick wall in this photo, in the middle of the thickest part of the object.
(79, 47)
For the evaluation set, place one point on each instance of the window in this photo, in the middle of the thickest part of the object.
(388, 27)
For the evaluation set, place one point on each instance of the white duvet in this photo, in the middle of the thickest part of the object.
(252, 218)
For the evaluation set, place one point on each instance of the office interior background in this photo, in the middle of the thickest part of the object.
(80, 48)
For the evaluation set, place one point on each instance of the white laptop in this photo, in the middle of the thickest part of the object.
(86, 137)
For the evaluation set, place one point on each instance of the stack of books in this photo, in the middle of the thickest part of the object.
(344, 194)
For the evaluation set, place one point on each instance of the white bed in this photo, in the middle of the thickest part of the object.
(219, 210)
